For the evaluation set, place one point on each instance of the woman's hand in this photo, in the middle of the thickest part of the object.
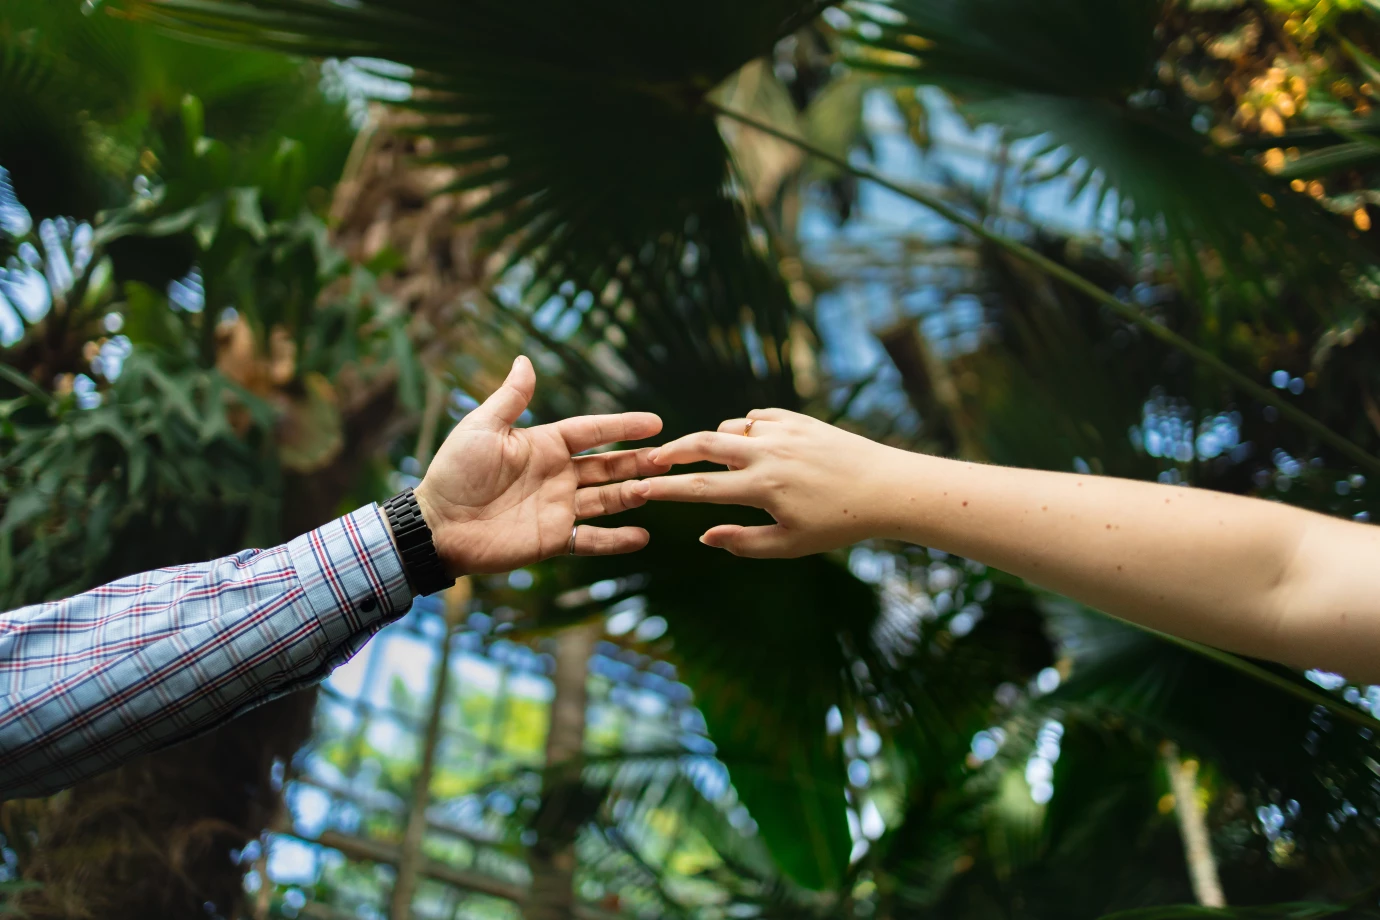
(824, 486)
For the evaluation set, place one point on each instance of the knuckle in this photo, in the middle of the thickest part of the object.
(699, 485)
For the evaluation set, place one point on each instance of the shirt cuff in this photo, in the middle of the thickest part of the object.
(351, 574)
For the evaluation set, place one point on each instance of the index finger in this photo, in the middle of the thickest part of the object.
(587, 432)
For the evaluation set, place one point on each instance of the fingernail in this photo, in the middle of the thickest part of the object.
(517, 361)
(705, 541)
(641, 488)
(655, 456)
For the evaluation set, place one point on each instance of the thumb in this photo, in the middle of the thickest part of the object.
(502, 409)
(769, 542)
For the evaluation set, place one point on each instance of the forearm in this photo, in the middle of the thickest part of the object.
(1251, 576)
(131, 667)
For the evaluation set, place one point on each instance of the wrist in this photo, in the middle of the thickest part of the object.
(426, 503)
(439, 524)
(415, 540)
(902, 490)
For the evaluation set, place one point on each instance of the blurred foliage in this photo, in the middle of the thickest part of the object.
(1124, 122)
(895, 733)
(172, 362)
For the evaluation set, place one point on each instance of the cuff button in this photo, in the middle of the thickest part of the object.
(368, 605)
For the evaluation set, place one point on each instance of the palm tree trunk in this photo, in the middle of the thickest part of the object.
(409, 865)
(552, 857)
(1202, 867)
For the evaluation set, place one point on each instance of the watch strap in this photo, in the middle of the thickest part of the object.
(422, 565)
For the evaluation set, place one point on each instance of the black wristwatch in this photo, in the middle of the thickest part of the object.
(421, 564)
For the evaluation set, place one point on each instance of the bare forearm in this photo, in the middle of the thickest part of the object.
(1252, 576)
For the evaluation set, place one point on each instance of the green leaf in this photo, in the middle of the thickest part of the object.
(410, 375)
(193, 121)
(247, 214)
(25, 384)
(1316, 164)
(22, 508)
(1369, 64)
(800, 810)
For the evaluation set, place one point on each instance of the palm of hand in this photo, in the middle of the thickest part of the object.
(513, 492)
(498, 498)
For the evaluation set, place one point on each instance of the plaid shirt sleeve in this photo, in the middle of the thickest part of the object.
(90, 682)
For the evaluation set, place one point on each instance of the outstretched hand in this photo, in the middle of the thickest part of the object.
(498, 498)
(820, 483)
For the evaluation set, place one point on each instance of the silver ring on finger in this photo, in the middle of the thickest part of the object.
(574, 533)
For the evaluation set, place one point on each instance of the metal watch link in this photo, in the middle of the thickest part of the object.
(425, 572)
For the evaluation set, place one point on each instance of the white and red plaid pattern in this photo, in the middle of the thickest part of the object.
(141, 663)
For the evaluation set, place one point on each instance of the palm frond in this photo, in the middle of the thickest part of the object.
(1281, 735)
(1078, 75)
(88, 99)
(43, 142)
(585, 129)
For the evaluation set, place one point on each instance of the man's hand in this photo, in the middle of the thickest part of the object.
(497, 498)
